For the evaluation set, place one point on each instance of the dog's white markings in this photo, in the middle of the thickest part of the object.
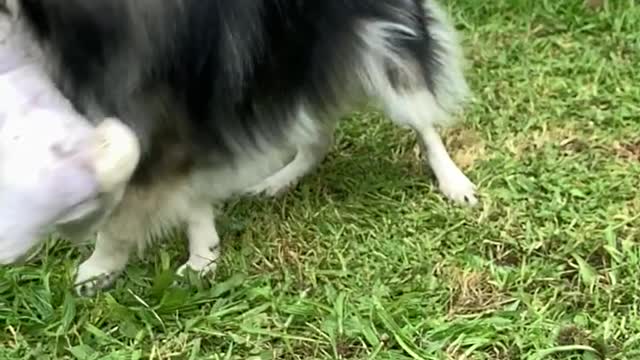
(204, 242)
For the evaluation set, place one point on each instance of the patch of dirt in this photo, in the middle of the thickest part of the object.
(289, 253)
(570, 141)
(594, 4)
(472, 293)
(465, 146)
(503, 254)
(454, 352)
(574, 335)
(348, 350)
(627, 151)
(566, 138)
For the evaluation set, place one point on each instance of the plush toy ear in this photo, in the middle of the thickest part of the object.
(116, 154)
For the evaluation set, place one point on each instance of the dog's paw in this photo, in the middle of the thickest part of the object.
(91, 278)
(203, 266)
(458, 188)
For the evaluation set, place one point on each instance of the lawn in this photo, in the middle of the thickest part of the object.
(366, 260)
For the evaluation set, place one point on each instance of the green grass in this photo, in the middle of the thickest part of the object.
(366, 260)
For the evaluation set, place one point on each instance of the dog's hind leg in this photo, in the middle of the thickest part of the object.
(418, 109)
(417, 76)
(307, 157)
(452, 181)
(413, 111)
(313, 141)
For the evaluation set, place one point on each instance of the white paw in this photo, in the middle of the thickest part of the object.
(458, 188)
(202, 265)
(90, 278)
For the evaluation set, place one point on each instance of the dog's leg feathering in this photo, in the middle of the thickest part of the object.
(204, 242)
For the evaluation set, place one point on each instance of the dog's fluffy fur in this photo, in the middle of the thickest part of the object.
(241, 97)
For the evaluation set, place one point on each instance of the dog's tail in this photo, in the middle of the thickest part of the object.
(450, 86)
(415, 63)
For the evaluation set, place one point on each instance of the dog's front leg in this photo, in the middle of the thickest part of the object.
(204, 242)
(105, 264)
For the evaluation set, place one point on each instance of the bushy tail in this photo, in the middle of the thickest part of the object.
(414, 64)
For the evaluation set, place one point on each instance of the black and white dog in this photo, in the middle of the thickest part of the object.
(239, 97)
